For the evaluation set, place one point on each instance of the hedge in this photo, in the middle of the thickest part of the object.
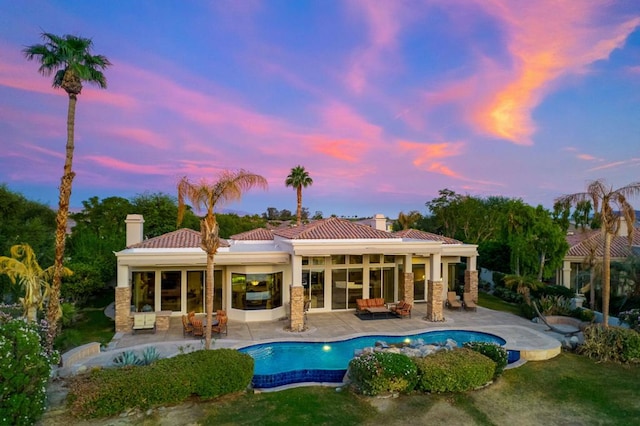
(206, 374)
(378, 373)
(458, 370)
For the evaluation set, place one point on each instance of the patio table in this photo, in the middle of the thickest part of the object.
(378, 310)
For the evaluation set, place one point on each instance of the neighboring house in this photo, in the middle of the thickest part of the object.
(267, 274)
(585, 248)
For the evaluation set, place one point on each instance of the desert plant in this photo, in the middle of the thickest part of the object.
(458, 370)
(127, 358)
(376, 373)
(150, 355)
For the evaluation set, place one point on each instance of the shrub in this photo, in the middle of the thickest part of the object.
(496, 353)
(206, 374)
(24, 372)
(614, 344)
(377, 373)
(555, 305)
(454, 371)
(631, 318)
(586, 315)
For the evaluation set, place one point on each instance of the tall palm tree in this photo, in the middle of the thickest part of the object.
(612, 207)
(408, 220)
(207, 195)
(23, 268)
(299, 178)
(70, 61)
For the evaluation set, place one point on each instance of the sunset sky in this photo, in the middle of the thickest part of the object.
(383, 102)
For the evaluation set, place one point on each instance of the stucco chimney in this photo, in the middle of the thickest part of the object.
(380, 222)
(135, 229)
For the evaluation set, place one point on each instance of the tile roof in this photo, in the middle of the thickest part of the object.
(332, 228)
(415, 234)
(259, 234)
(582, 243)
(182, 238)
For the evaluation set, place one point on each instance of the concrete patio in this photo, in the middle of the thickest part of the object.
(531, 339)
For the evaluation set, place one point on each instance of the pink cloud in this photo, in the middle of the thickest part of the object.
(547, 40)
(427, 154)
(341, 149)
(122, 166)
(384, 22)
(140, 136)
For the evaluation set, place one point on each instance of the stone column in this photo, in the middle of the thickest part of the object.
(296, 308)
(434, 301)
(407, 287)
(123, 309)
(471, 284)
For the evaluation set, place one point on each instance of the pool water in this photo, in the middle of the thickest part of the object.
(282, 363)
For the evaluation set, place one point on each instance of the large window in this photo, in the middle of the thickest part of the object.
(419, 279)
(381, 283)
(143, 291)
(313, 283)
(346, 287)
(256, 291)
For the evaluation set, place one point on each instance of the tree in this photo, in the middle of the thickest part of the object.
(524, 284)
(206, 195)
(612, 207)
(299, 178)
(22, 268)
(70, 61)
(408, 220)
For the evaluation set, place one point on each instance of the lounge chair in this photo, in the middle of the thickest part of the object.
(453, 302)
(469, 304)
(402, 309)
(144, 321)
(221, 327)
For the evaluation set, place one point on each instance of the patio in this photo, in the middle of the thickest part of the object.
(531, 339)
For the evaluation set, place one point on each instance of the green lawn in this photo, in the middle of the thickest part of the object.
(490, 301)
(91, 325)
(568, 389)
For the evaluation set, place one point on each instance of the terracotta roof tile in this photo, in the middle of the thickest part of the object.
(332, 228)
(182, 238)
(259, 234)
(582, 243)
(415, 234)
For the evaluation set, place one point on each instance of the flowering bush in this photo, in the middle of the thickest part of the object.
(24, 372)
(632, 318)
(375, 373)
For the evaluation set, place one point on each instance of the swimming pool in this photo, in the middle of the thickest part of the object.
(283, 363)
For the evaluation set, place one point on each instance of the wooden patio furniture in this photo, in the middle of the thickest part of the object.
(187, 327)
(402, 309)
(221, 327)
(453, 302)
(469, 304)
(198, 328)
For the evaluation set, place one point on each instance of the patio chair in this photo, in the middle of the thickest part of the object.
(453, 302)
(187, 327)
(198, 328)
(469, 304)
(221, 327)
(402, 309)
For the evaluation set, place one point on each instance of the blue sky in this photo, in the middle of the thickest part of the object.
(383, 102)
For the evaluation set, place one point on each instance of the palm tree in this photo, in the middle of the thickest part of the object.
(22, 268)
(299, 178)
(69, 59)
(408, 220)
(523, 284)
(612, 207)
(206, 195)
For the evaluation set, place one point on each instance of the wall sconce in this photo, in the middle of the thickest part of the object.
(254, 282)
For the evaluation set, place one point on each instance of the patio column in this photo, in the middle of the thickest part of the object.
(566, 273)
(407, 287)
(435, 287)
(434, 301)
(296, 296)
(471, 279)
(123, 309)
